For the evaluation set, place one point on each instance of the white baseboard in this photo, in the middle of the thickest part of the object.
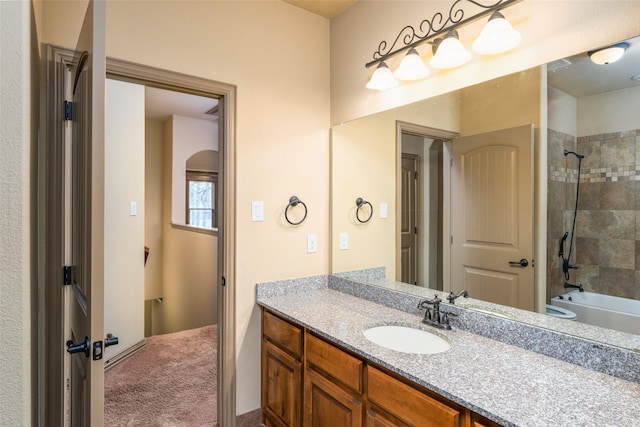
(125, 354)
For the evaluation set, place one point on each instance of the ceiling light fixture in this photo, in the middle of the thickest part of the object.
(609, 54)
(498, 36)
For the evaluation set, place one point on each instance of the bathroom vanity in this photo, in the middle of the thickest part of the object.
(318, 368)
(306, 377)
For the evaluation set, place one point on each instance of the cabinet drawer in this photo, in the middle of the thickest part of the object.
(282, 333)
(479, 421)
(335, 362)
(409, 404)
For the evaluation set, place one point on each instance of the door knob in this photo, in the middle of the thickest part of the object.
(522, 263)
(84, 347)
(110, 340)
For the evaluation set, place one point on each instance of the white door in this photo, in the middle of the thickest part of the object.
(86, 234)
(492, 216)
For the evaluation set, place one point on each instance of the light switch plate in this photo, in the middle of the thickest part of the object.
(384, 211)
(257, 211)
(344, 241)
(133, 209)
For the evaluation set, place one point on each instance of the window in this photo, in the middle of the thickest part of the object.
(202, 206)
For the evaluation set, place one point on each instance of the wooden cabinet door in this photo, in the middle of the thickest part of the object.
(281, 387)
(326, 404)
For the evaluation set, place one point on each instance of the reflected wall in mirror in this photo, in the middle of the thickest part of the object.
(572, 112)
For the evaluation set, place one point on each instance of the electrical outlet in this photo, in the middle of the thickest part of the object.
(344, 241)
(312, 243)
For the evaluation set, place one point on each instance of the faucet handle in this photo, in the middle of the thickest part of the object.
(445, 318)
(424, 303)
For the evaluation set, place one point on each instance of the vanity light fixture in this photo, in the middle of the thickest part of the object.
(609, 54)
(412, 67)
(450, 53)
(382, 78)
(497, 36)
(441, 33)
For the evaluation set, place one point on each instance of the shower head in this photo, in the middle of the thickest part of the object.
(567, 152)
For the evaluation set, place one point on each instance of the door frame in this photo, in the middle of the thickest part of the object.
(446, 136)
(51, 404)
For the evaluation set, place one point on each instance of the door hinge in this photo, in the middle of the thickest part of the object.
(415, 174)
(67, 110)
(450, 162)
(67, 269)
(415, 230)
(451, 240)
(224, 281)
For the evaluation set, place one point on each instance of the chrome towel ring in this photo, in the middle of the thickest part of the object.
(293, 202)
(360, 202)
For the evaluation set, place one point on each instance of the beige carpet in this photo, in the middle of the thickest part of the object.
(170, 383)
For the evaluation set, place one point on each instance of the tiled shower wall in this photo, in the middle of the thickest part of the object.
(607, 238)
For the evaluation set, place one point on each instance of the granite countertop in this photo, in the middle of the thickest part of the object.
(507, 384)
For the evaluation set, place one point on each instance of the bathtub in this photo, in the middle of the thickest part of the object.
(611, 312)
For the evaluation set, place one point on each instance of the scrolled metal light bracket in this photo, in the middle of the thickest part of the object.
(438, 26)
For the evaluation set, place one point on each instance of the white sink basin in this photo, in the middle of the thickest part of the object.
(406, 339)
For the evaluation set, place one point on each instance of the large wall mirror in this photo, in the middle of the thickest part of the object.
(438, 195)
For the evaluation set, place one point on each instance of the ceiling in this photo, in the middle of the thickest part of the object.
(583, 78)
(326, 8)
(160, 104)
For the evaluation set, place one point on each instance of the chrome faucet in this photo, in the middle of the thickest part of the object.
(433, 316)
(452, 297)
(568, 285)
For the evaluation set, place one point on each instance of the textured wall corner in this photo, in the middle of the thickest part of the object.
(15, 222)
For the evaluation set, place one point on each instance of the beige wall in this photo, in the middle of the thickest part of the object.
(551, 29)
(609, 112)
(562, 112)
(19, 115)
(190, 136)
(278, 56)
(501, 103)
(189, 269)
(606, 112)
(283, 113)
(364, 155)
(124, 233)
